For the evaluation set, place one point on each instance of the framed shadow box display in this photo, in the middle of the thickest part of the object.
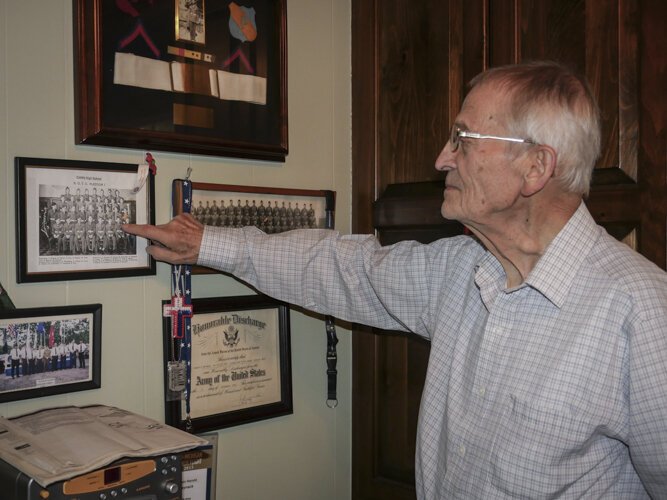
(68, 220)
(241, 367)
(191, 76)
(49, 350)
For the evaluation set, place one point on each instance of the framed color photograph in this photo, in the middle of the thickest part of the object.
(273, 210)
(69, 215)
(49, 350)
(241, 367)
(191, 76)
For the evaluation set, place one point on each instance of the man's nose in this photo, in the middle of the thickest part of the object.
(445, 160)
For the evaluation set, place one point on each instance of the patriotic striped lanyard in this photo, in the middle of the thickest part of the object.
(180, 310)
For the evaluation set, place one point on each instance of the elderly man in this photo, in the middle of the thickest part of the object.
(548, 361)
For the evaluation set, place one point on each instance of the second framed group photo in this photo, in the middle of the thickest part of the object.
(273, 210)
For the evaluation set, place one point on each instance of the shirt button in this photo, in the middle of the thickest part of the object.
(482, 391)
(462, 450)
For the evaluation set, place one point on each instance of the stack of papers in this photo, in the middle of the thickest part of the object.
(60, 443)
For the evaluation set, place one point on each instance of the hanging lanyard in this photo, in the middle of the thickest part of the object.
(180, 310)
(332, 338)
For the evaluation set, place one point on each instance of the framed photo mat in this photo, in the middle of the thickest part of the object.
(241, 368)
(49, 350)
(273, 210)
(68, 220)
(200, 466)
(191, 76)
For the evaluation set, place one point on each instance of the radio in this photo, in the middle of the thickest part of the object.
(146, 478)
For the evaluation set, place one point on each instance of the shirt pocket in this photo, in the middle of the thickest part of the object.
(541, 447)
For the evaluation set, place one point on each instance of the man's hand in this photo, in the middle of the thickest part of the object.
(176, 242)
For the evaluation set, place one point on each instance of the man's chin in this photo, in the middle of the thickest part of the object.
(448, 213)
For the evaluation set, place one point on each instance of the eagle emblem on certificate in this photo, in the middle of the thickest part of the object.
(231, 334)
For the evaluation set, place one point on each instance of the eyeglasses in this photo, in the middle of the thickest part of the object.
(457, 134)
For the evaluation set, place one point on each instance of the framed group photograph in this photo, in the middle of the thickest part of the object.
(49, 350)
(191, 76)
(241, 368)
(273, 210)
(69, 215)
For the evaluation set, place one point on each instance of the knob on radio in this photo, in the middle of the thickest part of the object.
(171, 487)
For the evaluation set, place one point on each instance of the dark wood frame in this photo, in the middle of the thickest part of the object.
(76, 271)
(295, 195)
(173, 409)
(95, 346)
(92, 71)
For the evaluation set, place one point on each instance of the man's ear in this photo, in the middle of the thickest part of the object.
(541, 169)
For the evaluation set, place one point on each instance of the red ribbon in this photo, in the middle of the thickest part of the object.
(151, 163)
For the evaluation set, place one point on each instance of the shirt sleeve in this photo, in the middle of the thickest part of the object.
(648, 400)
(350, 277)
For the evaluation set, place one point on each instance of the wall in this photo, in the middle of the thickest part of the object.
(301, 456)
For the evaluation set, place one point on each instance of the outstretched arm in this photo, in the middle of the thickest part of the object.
(176, 242)
(350, 277)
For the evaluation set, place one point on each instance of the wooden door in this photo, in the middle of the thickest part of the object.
(405, 94)
(410, 63)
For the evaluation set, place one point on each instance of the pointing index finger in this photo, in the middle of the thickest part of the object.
(144, 231)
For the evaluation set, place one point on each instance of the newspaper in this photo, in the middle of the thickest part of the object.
(60, 443)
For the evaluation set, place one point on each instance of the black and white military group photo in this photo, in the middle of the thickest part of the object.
(85, 222)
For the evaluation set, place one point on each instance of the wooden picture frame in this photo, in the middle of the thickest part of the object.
(68, 217)
(191, 76)
(248, 205)
(241, 368)
(49, 350)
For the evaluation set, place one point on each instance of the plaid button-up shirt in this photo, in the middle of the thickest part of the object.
(554, 388)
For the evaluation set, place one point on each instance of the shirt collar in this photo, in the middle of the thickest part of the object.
(555, 271)
(490, 278)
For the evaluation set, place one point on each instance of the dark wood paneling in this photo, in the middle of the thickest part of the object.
(398, 404)
(411, 61)
(653, 130)
(410, 64)
(601, 67)
(411, 211)
(364, 119)
(502, 33)
(413, 88)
